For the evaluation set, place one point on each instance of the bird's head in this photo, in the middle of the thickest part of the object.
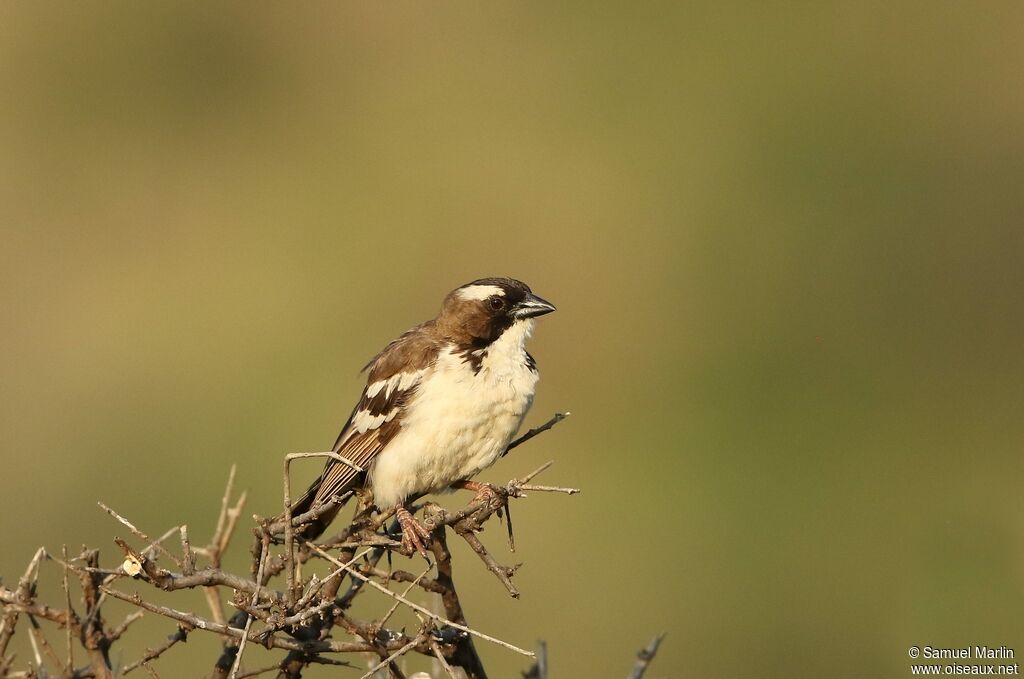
(479, 312)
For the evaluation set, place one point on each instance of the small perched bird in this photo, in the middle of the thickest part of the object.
(441, 403)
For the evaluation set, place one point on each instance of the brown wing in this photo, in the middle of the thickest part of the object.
(373, 424)
(394, 375)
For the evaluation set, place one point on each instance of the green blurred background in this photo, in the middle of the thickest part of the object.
(785, 242)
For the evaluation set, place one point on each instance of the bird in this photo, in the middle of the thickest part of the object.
(441, 403)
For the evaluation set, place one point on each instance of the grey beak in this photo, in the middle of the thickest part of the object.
(532, 307)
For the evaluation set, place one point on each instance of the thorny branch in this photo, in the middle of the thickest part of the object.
(645, 656)
(307, 614)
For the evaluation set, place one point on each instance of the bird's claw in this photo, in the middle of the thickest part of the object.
(414, 535)
(486, 493)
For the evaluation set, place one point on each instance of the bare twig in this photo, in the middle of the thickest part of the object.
(37, 635)
(391, 658)
(222, 517)
(536, 430)
(277, 527)
(33, 639)
(188, 559)
(394, 607)
(168, 581)
(426, 584)
(229, 529)
(227, 518)
(316, 587)
(139, 534)
(181, 634)
(23, 595)
(421, 609)
(70, 611)
(549, 489)
(540, 668)
(273, 641)
(255, 599)
(256, 673)
(214, 602)
(464, 655)
(156, 544)
(289, 529)
(298, 618)
(441, 659)
(118, 631)
(645, 656)
(95, 640)
(535, 473)
(503, 573)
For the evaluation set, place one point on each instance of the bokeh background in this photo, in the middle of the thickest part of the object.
(785, 241)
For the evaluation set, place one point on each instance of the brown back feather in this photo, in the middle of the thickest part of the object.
(414, 350)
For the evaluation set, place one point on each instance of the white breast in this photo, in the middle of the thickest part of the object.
(458, 422)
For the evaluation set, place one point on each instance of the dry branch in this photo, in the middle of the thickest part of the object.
(153, 653)
(645, 656)
(305, 614)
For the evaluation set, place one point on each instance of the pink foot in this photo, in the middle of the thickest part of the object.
(414, 535)
(485, 492)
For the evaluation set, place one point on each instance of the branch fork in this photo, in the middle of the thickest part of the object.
(297, 617)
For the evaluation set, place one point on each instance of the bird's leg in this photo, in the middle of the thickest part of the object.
(413, 533)
(485, 492)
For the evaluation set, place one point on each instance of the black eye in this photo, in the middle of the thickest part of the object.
(497, 303)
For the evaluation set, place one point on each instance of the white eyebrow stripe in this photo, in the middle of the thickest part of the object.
(480, 291)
